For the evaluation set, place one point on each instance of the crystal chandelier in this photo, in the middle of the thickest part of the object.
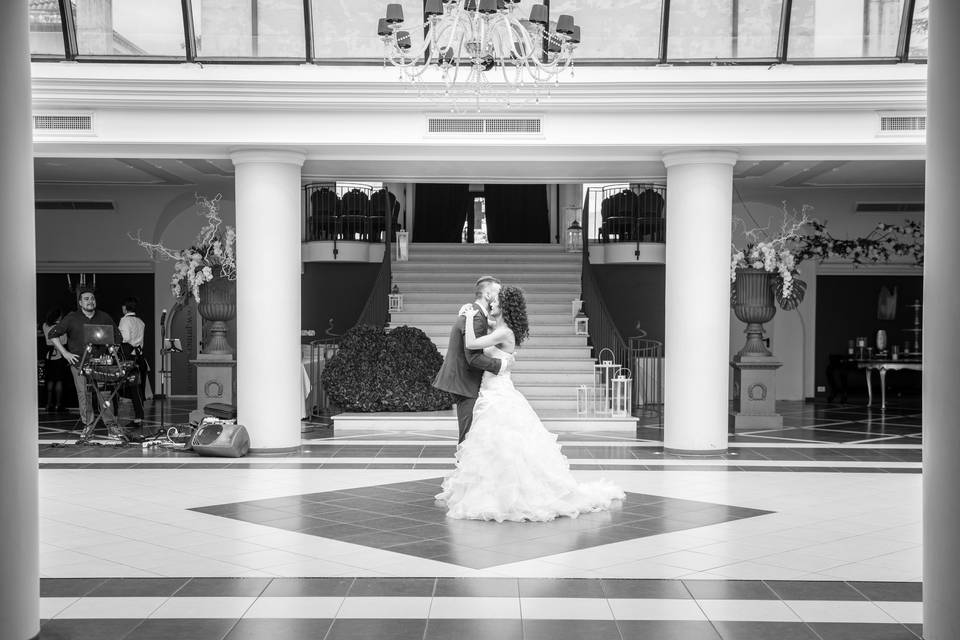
(481, 51)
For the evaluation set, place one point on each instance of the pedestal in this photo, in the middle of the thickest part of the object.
(755, 378)
(216, 382)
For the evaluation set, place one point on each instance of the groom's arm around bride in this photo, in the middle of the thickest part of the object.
(463, 368)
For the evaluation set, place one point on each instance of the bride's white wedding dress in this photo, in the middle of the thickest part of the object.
(510, 467)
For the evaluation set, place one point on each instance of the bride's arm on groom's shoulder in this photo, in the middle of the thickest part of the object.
(471, 341)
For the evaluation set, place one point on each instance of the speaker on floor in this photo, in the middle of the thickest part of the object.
(221, 439)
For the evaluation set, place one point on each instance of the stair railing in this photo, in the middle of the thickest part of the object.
(376, 310)
(638, 354)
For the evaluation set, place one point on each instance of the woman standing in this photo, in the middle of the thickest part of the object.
(55, 370)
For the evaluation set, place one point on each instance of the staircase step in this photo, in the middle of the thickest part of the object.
(416, 318)
(464, 289)
(483, 266)
(533, 307)
(534, 342)
(517, 278)
(446, 422)
(547, 353)
(439, 328)
(455, 299)
(521, 377)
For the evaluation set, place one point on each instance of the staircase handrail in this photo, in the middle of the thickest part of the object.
(376, 310)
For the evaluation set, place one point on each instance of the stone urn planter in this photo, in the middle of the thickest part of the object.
(753, 303)
(218, 305)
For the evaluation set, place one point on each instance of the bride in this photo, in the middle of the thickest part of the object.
(510, 467)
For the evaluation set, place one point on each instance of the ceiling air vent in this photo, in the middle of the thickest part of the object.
(902, 123)
(62, 122)
(889, 207)
(74, 205)
(481, 126)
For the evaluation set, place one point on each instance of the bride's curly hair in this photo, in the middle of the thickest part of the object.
(513, 306)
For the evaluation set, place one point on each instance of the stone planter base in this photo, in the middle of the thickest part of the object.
(755, 378)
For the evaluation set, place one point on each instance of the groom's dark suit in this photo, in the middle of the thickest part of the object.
(463, 368)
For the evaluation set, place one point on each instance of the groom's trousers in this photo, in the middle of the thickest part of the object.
(464, 414)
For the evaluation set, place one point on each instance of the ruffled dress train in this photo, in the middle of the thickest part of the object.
(509, 467)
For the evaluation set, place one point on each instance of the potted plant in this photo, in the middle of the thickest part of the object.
(207, 270)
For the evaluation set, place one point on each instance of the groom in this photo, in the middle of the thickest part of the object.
(462, 368)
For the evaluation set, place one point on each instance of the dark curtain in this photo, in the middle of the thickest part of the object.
(517, 213)
(441, 210)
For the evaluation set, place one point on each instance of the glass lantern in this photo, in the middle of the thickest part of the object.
(584, 400)
(395, 300)
(581, 324)
(603, 373)
(622, 386)
(403, 246)
(574, 237)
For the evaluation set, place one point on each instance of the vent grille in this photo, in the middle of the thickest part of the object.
(484, 125)
(73, 205)
(889, 207)
(893, 124)
(50, 122)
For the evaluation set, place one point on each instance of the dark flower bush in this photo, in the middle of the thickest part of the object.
(380, 370)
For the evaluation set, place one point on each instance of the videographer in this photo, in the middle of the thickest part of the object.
(71, 325)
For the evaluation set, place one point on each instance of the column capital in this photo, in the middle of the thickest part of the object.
(700, 156)
(268, 155)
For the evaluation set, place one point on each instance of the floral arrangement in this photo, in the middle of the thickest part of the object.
(884, 242)
(780, 255)
(213, 254)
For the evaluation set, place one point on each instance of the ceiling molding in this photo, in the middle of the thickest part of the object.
(598, 89)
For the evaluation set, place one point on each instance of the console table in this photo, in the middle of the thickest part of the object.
(883, 366)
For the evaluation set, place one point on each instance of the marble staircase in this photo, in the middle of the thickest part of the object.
(438, 279)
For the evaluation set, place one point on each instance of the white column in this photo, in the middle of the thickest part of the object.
(269, 386)
(941, 346)
(697, 304)
(19, 514)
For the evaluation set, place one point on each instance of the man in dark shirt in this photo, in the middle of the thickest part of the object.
(72, 326)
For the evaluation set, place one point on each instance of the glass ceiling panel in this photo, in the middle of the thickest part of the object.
(129, 27)
(844, 28)
(249, 28)
(723, 29)
(349, 29)
(46, 29)
(918, 31)
(624, 29)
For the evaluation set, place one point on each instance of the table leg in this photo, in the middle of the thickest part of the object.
(869, 388)
(883, 389)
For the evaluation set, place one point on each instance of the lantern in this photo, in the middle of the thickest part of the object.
(395, 300)
(603, 373)
(403, 246)
(622, 387)
(580, 324)
(574, 237)
(584, 400)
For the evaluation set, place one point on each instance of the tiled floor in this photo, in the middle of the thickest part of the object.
(811, 531)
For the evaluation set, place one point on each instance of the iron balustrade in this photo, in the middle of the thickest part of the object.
(348, 212)
(628, 213)
(643, 357)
